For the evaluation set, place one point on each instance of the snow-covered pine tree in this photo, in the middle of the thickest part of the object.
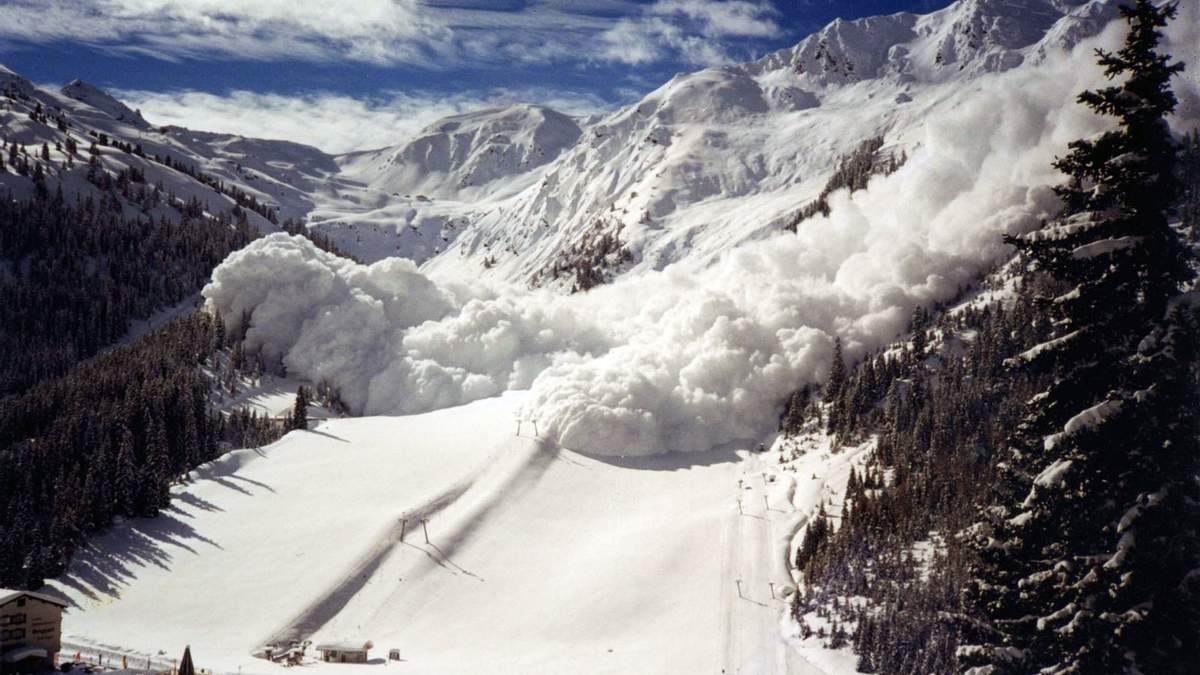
(1189, 203)
(1089, 556)
(835, 385)
(300, 410)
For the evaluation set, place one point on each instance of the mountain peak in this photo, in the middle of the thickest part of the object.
(11, 80)
(101, 100)
(970, 36)
(470, 150)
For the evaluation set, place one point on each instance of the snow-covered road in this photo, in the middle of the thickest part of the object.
(762, 522)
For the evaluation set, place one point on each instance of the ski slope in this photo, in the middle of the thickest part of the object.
(258, 536)
(539, 560)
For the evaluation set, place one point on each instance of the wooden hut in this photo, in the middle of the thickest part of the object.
(345, 651)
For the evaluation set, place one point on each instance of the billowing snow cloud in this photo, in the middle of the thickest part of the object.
(683, 359)
(324, 316)
(385, 334)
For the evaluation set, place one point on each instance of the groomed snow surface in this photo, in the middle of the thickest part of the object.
(539, 560)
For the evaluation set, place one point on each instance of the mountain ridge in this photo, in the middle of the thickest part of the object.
(705, 161)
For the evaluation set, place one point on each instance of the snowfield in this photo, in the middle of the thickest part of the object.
(255, 538)
(539, 560)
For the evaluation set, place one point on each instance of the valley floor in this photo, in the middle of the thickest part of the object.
(538, 560)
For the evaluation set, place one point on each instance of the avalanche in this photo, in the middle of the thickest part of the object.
(692, 356)
(719, 315)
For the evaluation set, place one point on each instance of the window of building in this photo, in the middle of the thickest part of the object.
(20, 602)
(16, 619)
(13, 634)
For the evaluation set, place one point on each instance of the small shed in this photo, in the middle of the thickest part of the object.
(345, 651)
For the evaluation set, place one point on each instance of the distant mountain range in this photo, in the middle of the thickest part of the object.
(526, 194)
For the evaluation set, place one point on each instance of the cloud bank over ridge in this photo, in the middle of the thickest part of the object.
(333, 122)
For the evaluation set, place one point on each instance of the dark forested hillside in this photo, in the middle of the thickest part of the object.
(107, 439)
(1031, 502)
(939, 407)
(73, 274)
(84, 438)
(1088, 544)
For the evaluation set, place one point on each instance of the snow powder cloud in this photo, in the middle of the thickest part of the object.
(684, 359)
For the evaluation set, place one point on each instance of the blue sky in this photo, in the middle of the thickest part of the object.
(298, 68)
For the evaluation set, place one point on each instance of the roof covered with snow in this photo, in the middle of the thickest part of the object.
(9, 594)
(345, 645)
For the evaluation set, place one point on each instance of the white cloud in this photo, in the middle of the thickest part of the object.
(335, 123)
(379, 31)
(727, 18)
(694, 31)
(385, 32)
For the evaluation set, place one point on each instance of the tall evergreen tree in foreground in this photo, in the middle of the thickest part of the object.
(1089, 556)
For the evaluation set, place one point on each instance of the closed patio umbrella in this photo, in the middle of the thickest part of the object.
(185, 665)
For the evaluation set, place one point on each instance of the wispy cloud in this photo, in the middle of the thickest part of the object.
(697, 32)
(333, 122)
(362, 30)
(390, 32)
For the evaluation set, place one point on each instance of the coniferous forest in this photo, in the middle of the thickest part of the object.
(76, 273)
(87, 435)
(107, 439)
(1032, 503)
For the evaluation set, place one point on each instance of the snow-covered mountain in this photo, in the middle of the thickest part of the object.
(721, 299)
(219, 170)
(687, 367)
(101, 101)
(967, 38)
(708, 160)
(703, 175)
(464, 155)
(412, 199)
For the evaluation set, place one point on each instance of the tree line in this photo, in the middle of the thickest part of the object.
(938, 408)
(73, 274)
(108, 439)
(853, 172)
(1033, 504)
(87, 435)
